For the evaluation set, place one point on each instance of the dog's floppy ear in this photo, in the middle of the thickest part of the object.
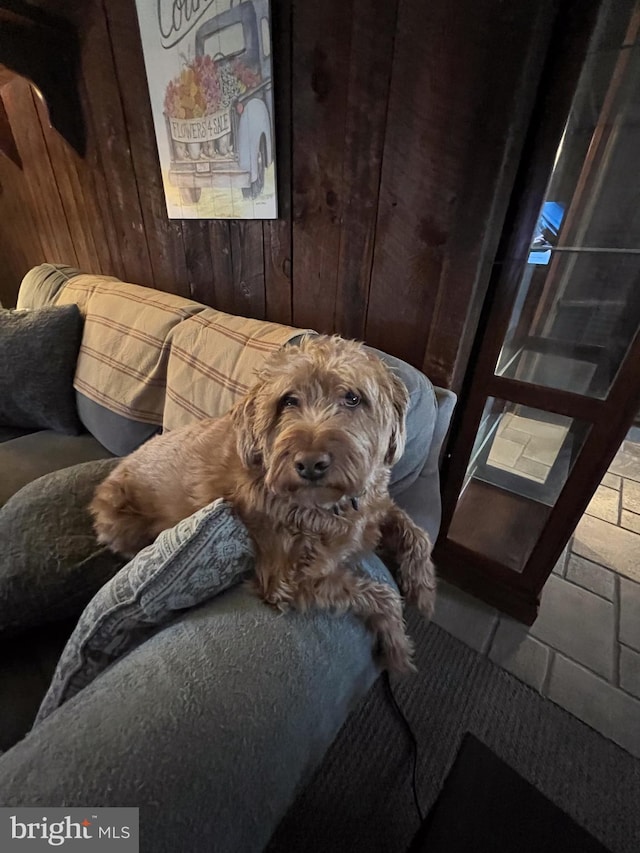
(243, 418)
(400, 402)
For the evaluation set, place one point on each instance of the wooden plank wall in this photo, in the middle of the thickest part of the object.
(399, 128)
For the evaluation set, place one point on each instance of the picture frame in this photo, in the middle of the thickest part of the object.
(209, 74)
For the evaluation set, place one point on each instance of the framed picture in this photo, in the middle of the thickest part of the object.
(209, 73)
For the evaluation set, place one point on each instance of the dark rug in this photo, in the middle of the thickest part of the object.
(360, 799)
(485, 805)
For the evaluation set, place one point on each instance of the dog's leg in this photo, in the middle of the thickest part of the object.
(409, 550)
(378, 604)
(119, 518)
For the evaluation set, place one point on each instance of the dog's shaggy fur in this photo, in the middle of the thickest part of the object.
(305, 460)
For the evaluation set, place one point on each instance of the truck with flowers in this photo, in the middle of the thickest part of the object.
(219, 109)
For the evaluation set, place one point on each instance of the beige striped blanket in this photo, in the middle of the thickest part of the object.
(162, 359)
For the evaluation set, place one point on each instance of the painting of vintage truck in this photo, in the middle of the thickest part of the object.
(210, 82)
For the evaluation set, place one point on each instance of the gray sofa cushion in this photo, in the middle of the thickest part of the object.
(9, 433)
(38, 353)
(121, 435)
(422, 498)
(50, 562)
(210, 727)
(422, 413)
(198, 558)
(28, 457)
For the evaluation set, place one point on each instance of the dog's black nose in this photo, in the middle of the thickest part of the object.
(312, 466)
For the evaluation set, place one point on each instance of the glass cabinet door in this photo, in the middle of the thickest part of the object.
(557, 378)
(520, 462)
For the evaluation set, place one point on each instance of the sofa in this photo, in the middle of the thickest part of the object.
(214, 721)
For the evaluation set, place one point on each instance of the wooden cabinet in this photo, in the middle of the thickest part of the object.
(555, 378)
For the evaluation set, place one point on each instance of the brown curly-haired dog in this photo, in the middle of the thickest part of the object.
(305, 460)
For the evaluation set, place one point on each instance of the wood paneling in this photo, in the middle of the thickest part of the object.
(247, 262)
(371, 62)
(110, 150)
(38, 189)
(278, 234)
(163, 236)
(399, 128)
(319, 83)
(7, 142)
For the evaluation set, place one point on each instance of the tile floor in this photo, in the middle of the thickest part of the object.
(525, 446)
(583, 651)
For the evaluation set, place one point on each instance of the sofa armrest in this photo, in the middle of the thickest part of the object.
(41, 284)
(422, 499)
(211, 727)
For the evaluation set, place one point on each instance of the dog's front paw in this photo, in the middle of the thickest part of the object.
(276, 595)
(421, 592)
(417, 577)
(395, 652)
(276, 600)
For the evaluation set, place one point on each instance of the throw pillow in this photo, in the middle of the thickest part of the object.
(50, 562)
(200, 557)
(38, 354)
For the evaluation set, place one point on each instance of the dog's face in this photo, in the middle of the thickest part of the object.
(322, 421)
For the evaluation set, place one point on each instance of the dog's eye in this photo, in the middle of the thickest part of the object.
(351, 399)
(289, 402)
